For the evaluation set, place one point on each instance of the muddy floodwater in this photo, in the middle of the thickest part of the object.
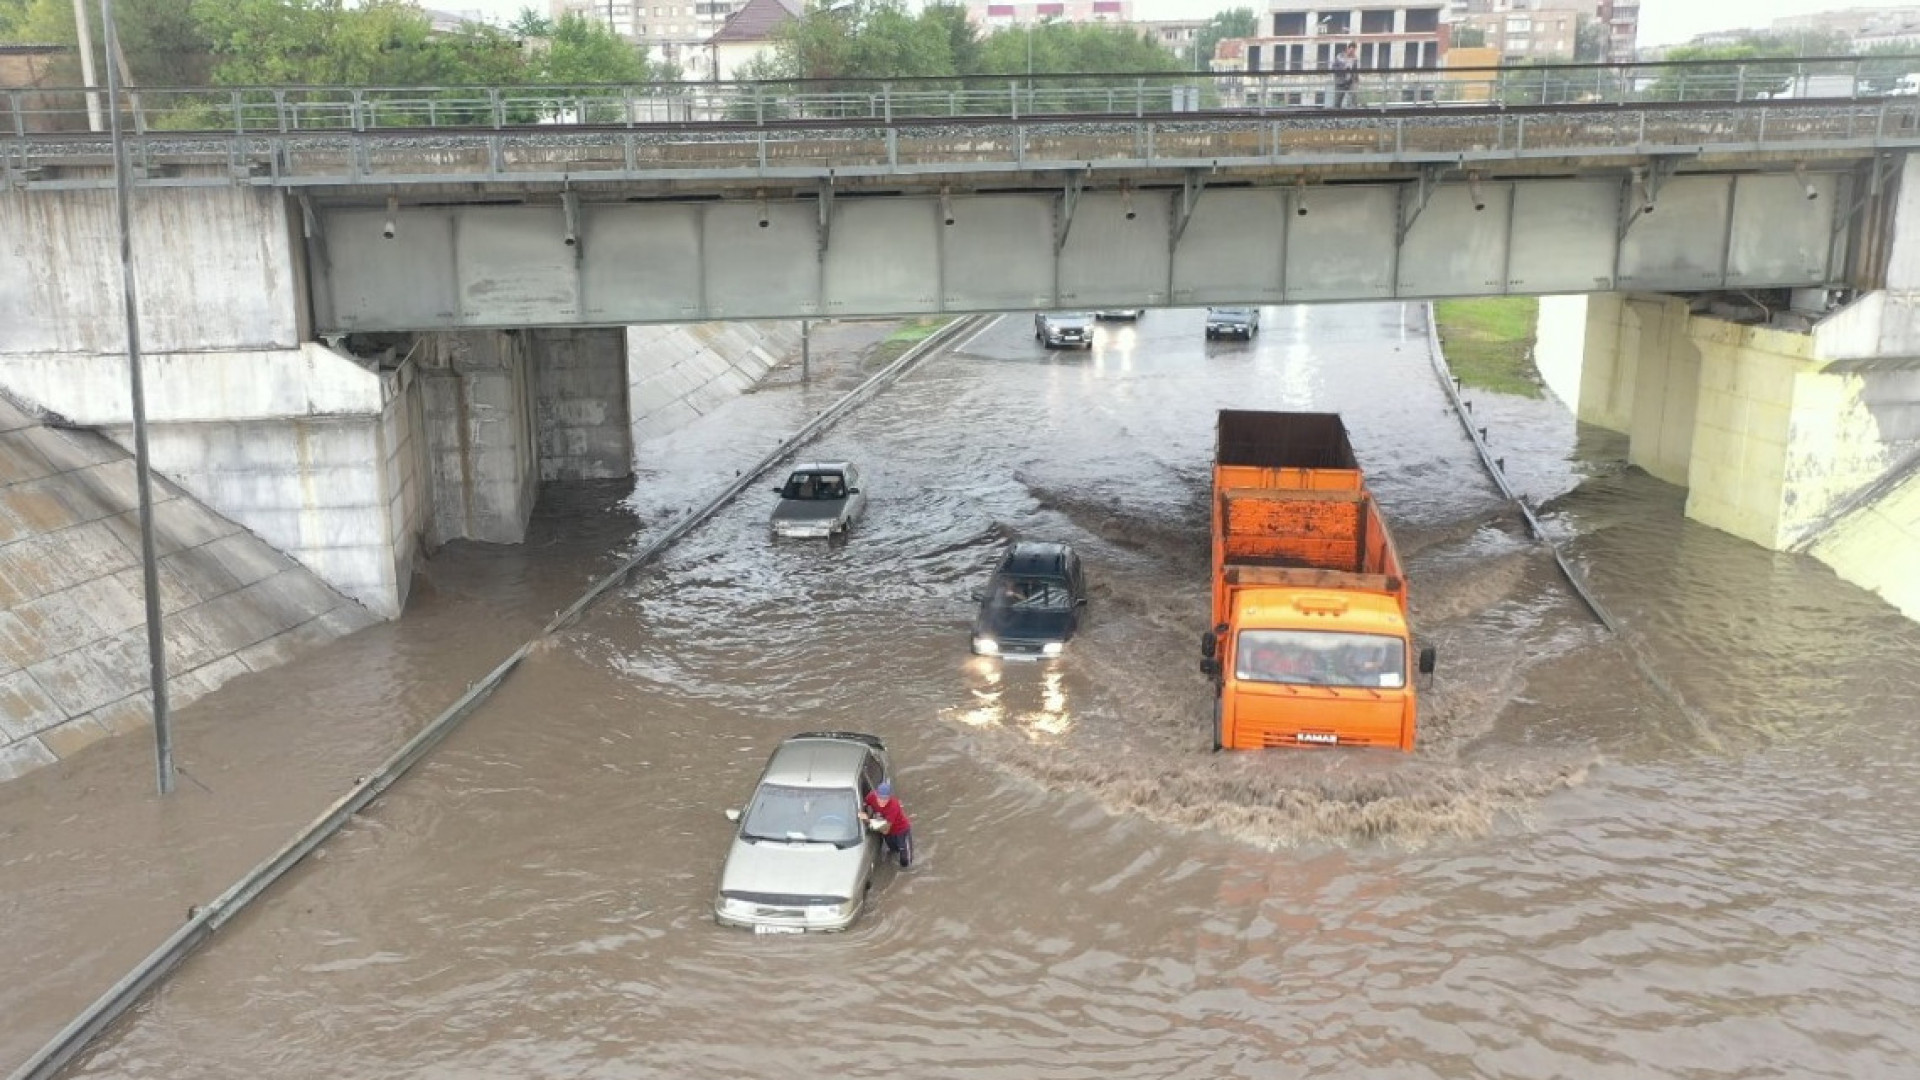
(1692, 850)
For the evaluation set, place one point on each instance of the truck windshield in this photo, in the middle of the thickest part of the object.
(1320, 658)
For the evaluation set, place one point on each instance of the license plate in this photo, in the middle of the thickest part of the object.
(1322, 737)
(763, 928)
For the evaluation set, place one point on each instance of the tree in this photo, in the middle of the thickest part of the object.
(161, 41)
(530, 24)
(865, 39)
(583, 50)
(963, 41)
(1232, 23)
(1592, 41)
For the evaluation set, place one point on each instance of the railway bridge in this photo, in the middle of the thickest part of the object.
(376, 318)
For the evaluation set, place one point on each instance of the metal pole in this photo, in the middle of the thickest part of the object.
(87, 75)
(156, 638)
(806, 350)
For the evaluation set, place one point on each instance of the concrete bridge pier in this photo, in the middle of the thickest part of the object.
(1797, 441)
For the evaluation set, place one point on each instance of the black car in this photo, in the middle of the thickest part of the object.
(1033, 604)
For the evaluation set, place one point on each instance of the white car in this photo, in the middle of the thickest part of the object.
(819, 499)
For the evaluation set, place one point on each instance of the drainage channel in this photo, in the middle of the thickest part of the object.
(208, 920)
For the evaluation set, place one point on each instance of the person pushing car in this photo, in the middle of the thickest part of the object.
(886, 816)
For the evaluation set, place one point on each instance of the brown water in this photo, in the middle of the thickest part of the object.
(1689, 852)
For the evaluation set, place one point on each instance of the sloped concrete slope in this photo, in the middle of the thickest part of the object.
(73, 645)
(1877, 546)
(679, 372)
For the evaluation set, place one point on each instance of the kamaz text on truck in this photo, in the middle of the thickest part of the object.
(1310, 644)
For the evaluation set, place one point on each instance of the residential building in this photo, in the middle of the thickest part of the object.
(746, 37)
(1177, 36)
(1302, 35)
(675, 32)
(1531, 34)
(994, 14)
(1527, 30)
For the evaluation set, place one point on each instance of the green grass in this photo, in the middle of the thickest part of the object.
(1489, 343)
(911, 333)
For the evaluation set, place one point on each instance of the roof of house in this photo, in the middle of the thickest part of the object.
(757, 21)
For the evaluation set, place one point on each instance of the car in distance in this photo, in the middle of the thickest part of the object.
(820, 498)
(1240, 322)
(801, 859)
(1063, 329)
(1033, 604)
(1127, 314)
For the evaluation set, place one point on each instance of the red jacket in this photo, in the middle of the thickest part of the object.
(893, 812)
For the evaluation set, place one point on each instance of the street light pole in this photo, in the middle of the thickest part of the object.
(156, 636)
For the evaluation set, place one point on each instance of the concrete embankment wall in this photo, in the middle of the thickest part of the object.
(73, 646)
(1795, 441)
(676, 373)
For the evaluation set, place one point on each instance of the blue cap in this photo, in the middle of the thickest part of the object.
(885, 790)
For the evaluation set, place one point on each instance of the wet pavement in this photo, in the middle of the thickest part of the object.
(1686, 852)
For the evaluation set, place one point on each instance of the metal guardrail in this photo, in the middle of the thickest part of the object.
(304, 136)
(239, 111)
(205, 921)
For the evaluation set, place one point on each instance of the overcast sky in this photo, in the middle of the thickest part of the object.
(1662, 22)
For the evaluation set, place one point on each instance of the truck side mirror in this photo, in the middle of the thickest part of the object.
(777, 491)
(1427, 657)
(733, 814)
(1209, 645)
(1209, 666)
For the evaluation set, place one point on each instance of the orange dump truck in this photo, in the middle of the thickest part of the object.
(1310, 644)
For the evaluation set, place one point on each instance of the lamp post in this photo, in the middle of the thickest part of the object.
(87, 75)
(130, 302)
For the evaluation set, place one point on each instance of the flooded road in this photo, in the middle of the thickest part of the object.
(1688, 852)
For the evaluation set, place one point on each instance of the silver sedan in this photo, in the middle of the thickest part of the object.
(819, 499)
(801, 858)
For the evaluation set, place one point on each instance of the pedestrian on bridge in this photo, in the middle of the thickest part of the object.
(1346, 78)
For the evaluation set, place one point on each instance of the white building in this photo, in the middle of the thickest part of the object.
(675, 32)
(994, 14)
(746, 37)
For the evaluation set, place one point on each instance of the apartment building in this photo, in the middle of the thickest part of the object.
(1303, 35)
(1535, 33)
(673, 31)
(993, 14)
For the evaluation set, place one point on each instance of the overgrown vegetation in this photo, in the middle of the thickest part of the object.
(910, 333)
(186, 43)
(1489, 342)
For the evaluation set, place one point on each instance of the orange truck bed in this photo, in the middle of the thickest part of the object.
(1303, 562)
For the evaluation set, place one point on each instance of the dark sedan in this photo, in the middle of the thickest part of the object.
(1033, 605)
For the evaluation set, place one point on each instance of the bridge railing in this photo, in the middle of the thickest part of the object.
(258, 110)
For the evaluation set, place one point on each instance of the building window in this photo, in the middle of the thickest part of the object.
(1106, 7)
(1376, 22)
(1045, 10)
(1290, 24)
(1336, 22)
(1253, 58)
(1423, 20)
(999, 11)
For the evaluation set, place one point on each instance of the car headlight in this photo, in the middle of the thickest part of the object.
(1053, 648)
(821, 912)
(986, 646)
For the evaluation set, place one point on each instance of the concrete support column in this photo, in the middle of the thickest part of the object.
(477, 403)
(581, 380)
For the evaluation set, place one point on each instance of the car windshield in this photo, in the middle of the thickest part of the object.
(1030, 593)
(1320, 658)
(1071, 317)
(808, 486)
(812, 815)
(1232, 312)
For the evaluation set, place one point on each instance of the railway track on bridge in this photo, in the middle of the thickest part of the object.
(205, 921)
